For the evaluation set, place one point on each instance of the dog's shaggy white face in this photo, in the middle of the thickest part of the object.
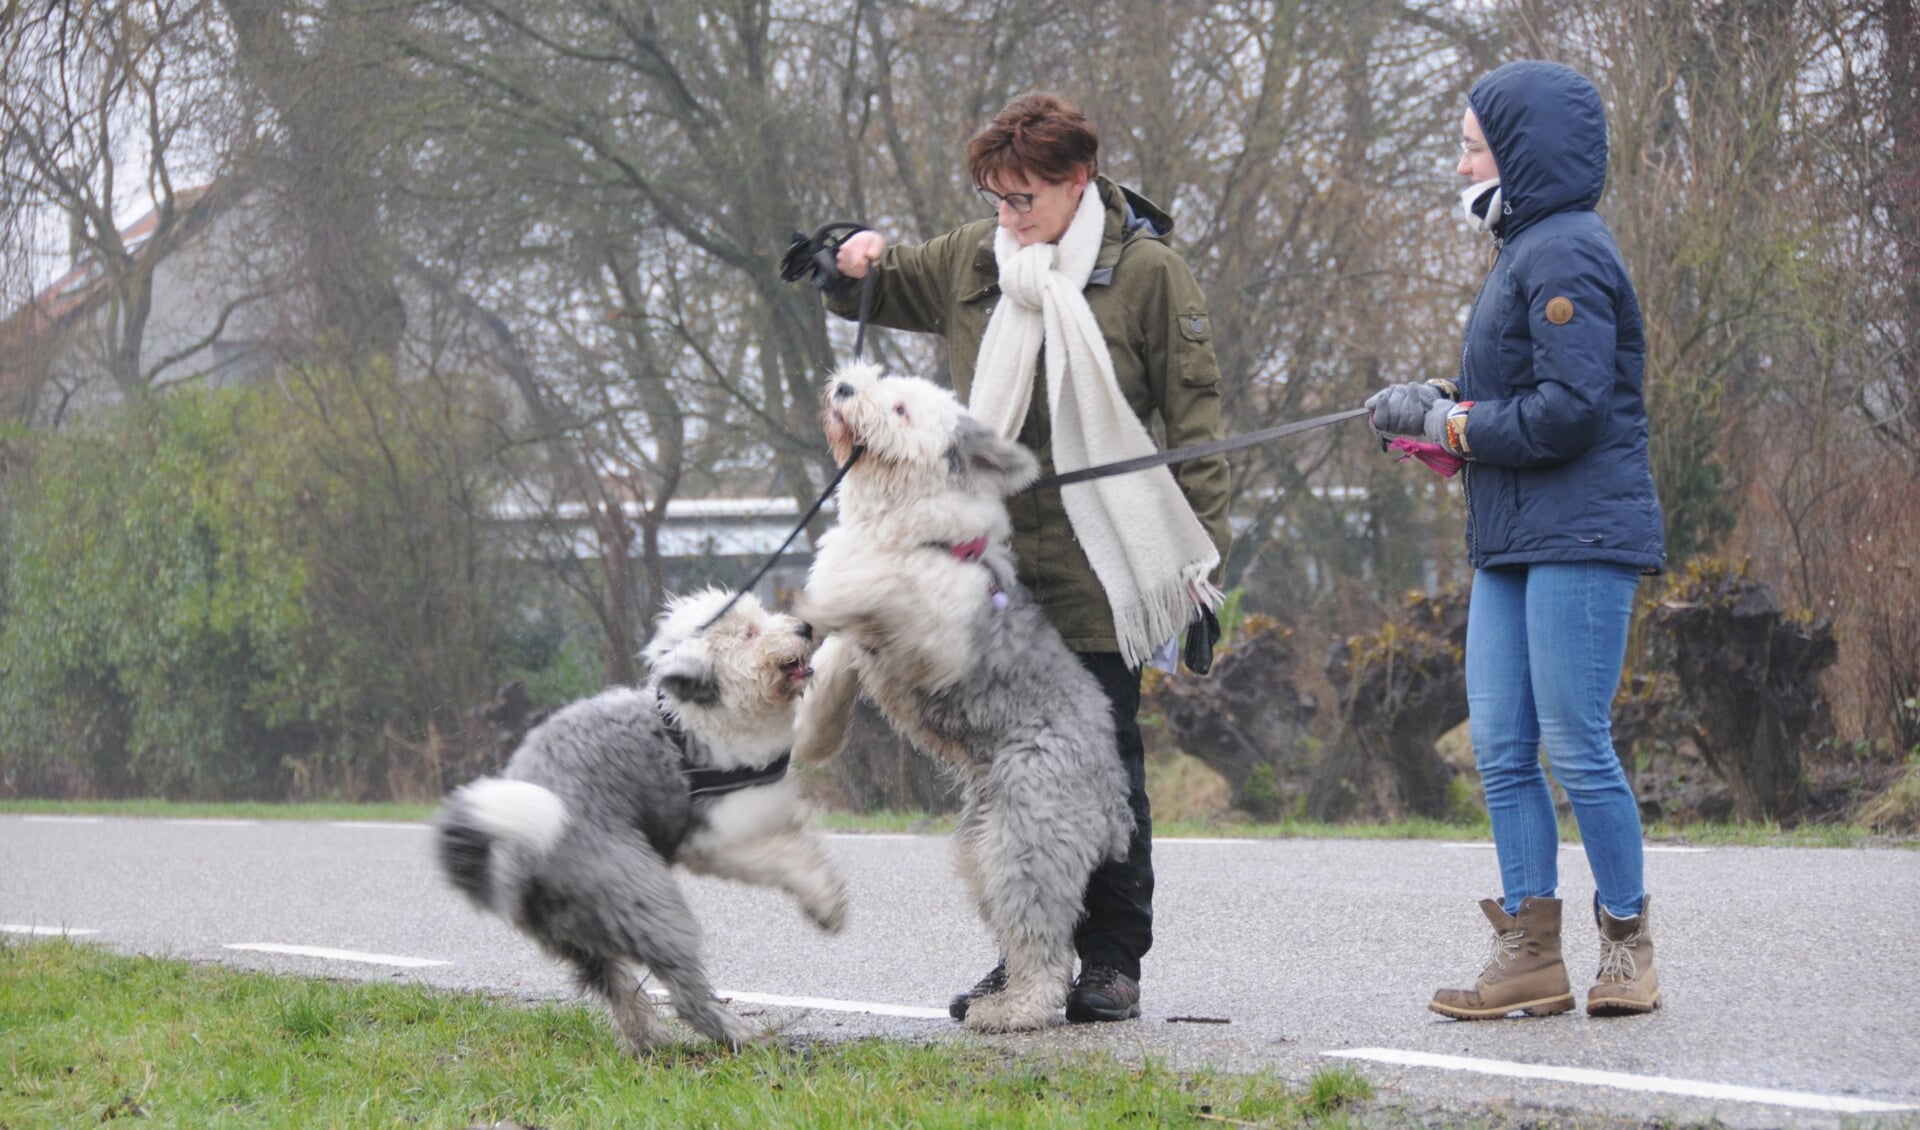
(922, 541)
(733, 684)
(909, 428)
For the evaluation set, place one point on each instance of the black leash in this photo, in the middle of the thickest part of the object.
(814, 259)
(775, 556)
(1196, 451)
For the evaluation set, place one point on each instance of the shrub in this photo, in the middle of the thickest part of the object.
(251, 592)
(1897, 810)
(149, 616)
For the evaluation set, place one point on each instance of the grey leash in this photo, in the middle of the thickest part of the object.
(1204, 631)
(1196, 451)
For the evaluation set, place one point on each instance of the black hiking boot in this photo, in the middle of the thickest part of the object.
(993, 982)
(1102, 993)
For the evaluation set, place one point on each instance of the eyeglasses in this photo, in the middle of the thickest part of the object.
(1022, 202)
(1473, 148)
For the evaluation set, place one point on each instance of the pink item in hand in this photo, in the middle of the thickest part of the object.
(1438, 459)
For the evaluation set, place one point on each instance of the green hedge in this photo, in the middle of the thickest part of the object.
(282, 590)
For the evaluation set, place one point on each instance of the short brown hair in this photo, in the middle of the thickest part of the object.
(1036, 135)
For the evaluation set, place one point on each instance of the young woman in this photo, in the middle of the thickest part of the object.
(1562, 521)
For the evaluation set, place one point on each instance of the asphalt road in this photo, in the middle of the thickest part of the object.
(1792, 986)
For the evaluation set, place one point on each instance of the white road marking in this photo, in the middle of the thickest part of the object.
(944, 835)
(1649, 849)
(828, 1004)
(338, 955)
(62, 819)
(44, 931)
(393, 825)
(1670, 849)
(1652, 1084)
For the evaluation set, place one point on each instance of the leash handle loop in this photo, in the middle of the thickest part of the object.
(813, 257)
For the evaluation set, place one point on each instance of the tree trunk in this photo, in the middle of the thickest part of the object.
(1749, 676)
(1400, 689)
(1249, 721)
(328, 97)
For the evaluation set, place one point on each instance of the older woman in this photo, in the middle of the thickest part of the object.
(1073, 275)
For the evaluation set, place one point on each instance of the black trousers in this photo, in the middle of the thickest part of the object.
(1117, 928)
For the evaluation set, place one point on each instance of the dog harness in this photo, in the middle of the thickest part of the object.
(706, 782)
(713, 782)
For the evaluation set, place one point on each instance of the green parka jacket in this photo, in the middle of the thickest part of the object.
(1154, 319)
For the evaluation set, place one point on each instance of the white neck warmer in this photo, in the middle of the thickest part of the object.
(1482, 204)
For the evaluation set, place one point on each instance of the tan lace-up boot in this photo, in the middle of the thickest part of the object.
(1524, 972)
(1626, 983)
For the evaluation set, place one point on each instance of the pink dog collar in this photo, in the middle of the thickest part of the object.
(969, 550)
(973, 551)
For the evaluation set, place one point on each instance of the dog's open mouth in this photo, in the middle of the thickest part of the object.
(797, 671)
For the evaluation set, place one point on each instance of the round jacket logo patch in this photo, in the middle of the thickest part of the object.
(1559, 311)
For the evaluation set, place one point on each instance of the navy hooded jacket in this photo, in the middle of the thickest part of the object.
(1554, 351)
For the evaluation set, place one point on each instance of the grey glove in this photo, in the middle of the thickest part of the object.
(1403, 410)
(1436, 423)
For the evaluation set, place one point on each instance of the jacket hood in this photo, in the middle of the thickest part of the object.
(1548, 132)
(1117, 195)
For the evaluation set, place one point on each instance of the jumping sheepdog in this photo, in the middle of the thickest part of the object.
(914, 593)
(573, 843)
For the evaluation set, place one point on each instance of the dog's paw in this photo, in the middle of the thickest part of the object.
(829, 911)
(824, 719)
(1009, 1012)
(740, 1036)
(645, 1046)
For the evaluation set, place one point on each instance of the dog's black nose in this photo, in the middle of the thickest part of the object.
(842, 390)
(806, 630)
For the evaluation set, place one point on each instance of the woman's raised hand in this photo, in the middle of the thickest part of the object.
(860, 249)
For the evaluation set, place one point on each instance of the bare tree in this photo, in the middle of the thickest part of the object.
(106, 106)
(323, 82)
(1899, 35)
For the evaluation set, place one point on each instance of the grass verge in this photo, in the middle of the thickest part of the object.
(220, 810)
(88, 1036)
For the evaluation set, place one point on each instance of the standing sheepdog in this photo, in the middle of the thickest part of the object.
(573, 842)
(914, 591)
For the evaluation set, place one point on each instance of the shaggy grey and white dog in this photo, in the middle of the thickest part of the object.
(574, 841)
(913, 590)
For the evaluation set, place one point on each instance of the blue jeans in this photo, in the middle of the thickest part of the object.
(1544, 649)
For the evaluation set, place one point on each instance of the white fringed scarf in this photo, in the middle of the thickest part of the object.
(1150, 553)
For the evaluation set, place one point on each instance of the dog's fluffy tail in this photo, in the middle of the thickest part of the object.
(492, 809)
